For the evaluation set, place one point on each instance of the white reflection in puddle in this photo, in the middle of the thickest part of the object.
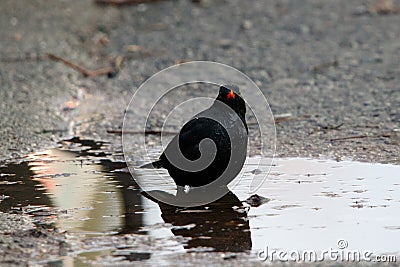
(89, 202)
(314, 203)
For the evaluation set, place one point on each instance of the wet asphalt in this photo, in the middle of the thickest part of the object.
(332, 66)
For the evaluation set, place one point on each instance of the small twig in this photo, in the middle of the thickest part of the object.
(136, 52)
(326, 128)
(388, 135)
(368, 126)
(150, 132)
(110, 71)
(180, 61)
(123, 2)
(283, 117)
(135, 49)
(52, 131)
(277, 118)
(116, 66)
(331, 127)
(328, 64)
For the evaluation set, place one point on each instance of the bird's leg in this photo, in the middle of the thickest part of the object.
(182, 190)
(186, 189)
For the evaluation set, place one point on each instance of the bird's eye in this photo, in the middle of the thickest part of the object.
(231, 94)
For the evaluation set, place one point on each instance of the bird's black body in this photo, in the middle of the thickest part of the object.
(223, 123)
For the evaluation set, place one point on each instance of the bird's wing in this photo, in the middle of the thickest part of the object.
(190, 136)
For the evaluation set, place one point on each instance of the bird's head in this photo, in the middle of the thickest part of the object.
(230, 95)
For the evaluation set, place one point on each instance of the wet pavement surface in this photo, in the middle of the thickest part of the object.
(76, 189)
(288, 49)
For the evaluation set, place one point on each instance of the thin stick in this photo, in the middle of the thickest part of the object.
(331, 127)
(368, 126)
(134, 52)
(150, 132)
(332, 63)
(84, 71)
(361, 136)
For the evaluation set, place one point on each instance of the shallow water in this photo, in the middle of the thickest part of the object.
(313, 204)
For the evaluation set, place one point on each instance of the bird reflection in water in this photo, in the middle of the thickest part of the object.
(222, 225)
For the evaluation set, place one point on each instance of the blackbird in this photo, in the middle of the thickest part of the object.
(212, 146)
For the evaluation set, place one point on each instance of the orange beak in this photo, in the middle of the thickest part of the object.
(231, 94)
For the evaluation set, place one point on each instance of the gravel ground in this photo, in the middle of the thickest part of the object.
(23, 243)
(330, 64)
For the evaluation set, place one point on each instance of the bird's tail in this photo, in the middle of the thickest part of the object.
(156, 164)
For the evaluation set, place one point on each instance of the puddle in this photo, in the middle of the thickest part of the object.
(313, 204)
